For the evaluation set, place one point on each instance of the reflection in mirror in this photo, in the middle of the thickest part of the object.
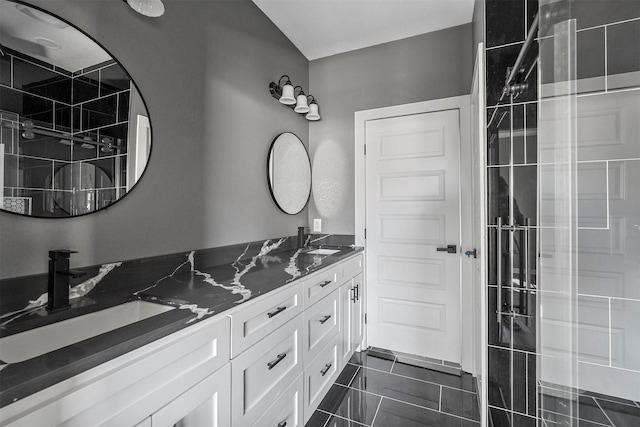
(74, 134)
(289, 173)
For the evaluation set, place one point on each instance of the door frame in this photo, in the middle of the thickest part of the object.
(463, 105)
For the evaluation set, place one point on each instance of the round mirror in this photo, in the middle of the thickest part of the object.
(75, 134)
(289, 173)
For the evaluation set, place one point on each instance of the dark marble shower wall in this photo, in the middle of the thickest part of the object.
(512, 185)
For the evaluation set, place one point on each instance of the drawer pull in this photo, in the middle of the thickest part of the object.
(324, 319)
(325, 283)
(353, 294)
(358, 292)
(278, 359)
(282, 424)
(326, 369)
(278, 310)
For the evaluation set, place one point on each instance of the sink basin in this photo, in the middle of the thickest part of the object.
(35, 342)
(323, 251)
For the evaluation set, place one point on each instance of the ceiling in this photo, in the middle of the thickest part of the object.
(320, 28)
(44, 37)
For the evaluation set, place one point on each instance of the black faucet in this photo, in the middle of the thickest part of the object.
(301, 237)
(59, 275)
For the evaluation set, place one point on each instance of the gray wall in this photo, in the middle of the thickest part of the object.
(429, 66)
(203, 69)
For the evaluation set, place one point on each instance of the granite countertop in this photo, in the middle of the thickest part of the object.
(193, 282)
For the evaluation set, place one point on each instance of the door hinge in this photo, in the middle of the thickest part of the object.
(365, 318)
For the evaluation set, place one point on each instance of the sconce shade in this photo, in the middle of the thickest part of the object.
(301, 104)
(151, 8)
(287, 97)
(313, 112)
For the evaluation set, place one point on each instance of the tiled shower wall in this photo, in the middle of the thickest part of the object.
(608, 242)
(92, 102)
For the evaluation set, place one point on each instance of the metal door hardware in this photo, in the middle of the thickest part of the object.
(449, 249)
(473, 253)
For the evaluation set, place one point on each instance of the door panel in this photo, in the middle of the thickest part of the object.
(412, 209)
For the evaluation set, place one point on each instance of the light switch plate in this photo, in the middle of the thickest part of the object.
(317, 225)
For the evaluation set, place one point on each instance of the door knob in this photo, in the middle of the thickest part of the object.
(449, 249)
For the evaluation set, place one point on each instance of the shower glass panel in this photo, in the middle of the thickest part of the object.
(557, 155)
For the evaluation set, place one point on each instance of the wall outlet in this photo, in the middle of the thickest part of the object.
(317, 225)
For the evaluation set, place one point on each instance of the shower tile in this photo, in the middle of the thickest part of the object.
(625, 335)
(532, 379)
(593, 195)
(621, 415)
(5, 69)
(85, 87)
(499, 136)
(498, 60)
(499, 201)
(607, 126)
(531, 133)
(113, 79)
(98, 113)
(505, 22)
(599, 12)
(589, 410)
(520, 390)
(518, 134)
(525, 184)
(590, 56)
(499, 417)
(499, 377)
(62, 117)
(623, 55)
(123, 107)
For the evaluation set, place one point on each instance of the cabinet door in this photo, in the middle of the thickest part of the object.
(287, 410)
(207, 403)
(357, 315)
(346, 313)
(319, 377)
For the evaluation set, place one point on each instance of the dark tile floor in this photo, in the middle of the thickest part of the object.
(380, 389)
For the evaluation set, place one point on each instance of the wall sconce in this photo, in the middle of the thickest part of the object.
(295, 98)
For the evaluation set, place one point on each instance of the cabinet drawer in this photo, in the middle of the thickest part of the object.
(320, 285)
(319, 376)
(287, 410)
(321, 323)
(253, 321)
(260, 375)
(351, 268)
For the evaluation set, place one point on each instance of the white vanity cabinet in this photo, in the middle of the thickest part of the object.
(267, 362)
(130, 389)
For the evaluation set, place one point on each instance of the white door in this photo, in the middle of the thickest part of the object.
(412, 215)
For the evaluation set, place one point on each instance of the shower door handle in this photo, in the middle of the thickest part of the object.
(499, 270)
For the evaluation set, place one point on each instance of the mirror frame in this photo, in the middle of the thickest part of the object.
(131, 122)
(269, 169)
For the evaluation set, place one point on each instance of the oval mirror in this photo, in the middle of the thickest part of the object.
(289, 173)
(75, 134)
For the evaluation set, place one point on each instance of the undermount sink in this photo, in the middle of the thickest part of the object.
(323, 251)
(35, 342)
